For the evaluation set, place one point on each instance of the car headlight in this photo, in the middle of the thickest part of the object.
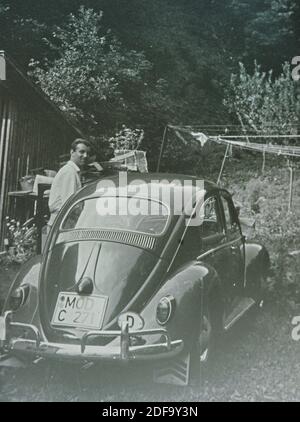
(165, 309)
(18, 297)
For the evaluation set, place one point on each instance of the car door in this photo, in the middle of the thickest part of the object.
(235, 243)
(215, 249)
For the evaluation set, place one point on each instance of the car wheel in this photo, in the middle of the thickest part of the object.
(204, 337)
(203, 348)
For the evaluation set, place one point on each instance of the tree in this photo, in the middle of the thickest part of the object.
(22, 36)
(193, 45)
(262, 102)
(93, 78)
(265, 30)
(182, 53)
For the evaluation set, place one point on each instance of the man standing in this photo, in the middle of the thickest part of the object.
(67, 181)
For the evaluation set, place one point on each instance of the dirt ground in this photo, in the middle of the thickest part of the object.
(257, 361)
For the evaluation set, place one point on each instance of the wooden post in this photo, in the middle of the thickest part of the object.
(18, 174)
(39, 216)
(223, 163)
(4, 144)
(162, 148)
(27, 165)
(264, 163)
(291, 170)
(2, 66)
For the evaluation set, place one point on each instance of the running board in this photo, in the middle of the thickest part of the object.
(244, 305)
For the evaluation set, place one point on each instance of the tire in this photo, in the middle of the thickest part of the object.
(205, 343)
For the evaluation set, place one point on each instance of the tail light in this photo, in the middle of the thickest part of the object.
(18, 297)
(165, 309)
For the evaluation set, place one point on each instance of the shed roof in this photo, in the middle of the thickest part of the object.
(14, 81)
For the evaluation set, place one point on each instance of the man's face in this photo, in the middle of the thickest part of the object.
(80, 155)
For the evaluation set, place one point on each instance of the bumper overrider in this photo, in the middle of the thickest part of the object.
(123, 351)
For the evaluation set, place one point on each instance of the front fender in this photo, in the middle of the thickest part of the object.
(257, 262)
(190, 286)
(28, 274)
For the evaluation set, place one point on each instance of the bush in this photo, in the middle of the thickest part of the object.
(22, 241)
(266, 198)
(127, 139)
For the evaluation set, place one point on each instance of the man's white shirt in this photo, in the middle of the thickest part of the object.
(66, 183)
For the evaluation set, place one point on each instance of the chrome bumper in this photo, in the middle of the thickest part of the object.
(84, 352)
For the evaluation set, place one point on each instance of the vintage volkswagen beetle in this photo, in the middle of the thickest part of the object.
(123, 286)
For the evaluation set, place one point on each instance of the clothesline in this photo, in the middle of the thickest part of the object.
(284, 150)
(238, 131)
(288, 151)
(261, 136)
(240, 141)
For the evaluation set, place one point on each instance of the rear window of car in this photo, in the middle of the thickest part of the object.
(121, 213)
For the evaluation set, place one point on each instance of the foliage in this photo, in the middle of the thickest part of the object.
(262, 102)
(266, 198)
(182, 154)
(93, 78)
(265, 29)
(3, 9)
(179, 53)
(127, 139)
(22, 241)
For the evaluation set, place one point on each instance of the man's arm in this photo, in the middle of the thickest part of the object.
(68, 186)
(64, 185)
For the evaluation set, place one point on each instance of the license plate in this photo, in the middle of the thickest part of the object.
(73, 310)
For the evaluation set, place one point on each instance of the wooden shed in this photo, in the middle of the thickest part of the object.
(33, 131)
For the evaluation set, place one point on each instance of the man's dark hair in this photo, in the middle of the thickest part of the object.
(80, 141)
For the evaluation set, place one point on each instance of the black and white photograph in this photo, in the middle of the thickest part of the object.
(149, 203)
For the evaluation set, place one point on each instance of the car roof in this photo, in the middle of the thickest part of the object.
(157, 186)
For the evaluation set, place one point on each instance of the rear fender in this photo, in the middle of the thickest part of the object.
(190, 286)
(257, 262)
(28, 274)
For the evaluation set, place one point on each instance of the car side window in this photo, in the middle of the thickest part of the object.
(229, 213)
(211, 224)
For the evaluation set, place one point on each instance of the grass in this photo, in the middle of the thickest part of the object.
(253, 363)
